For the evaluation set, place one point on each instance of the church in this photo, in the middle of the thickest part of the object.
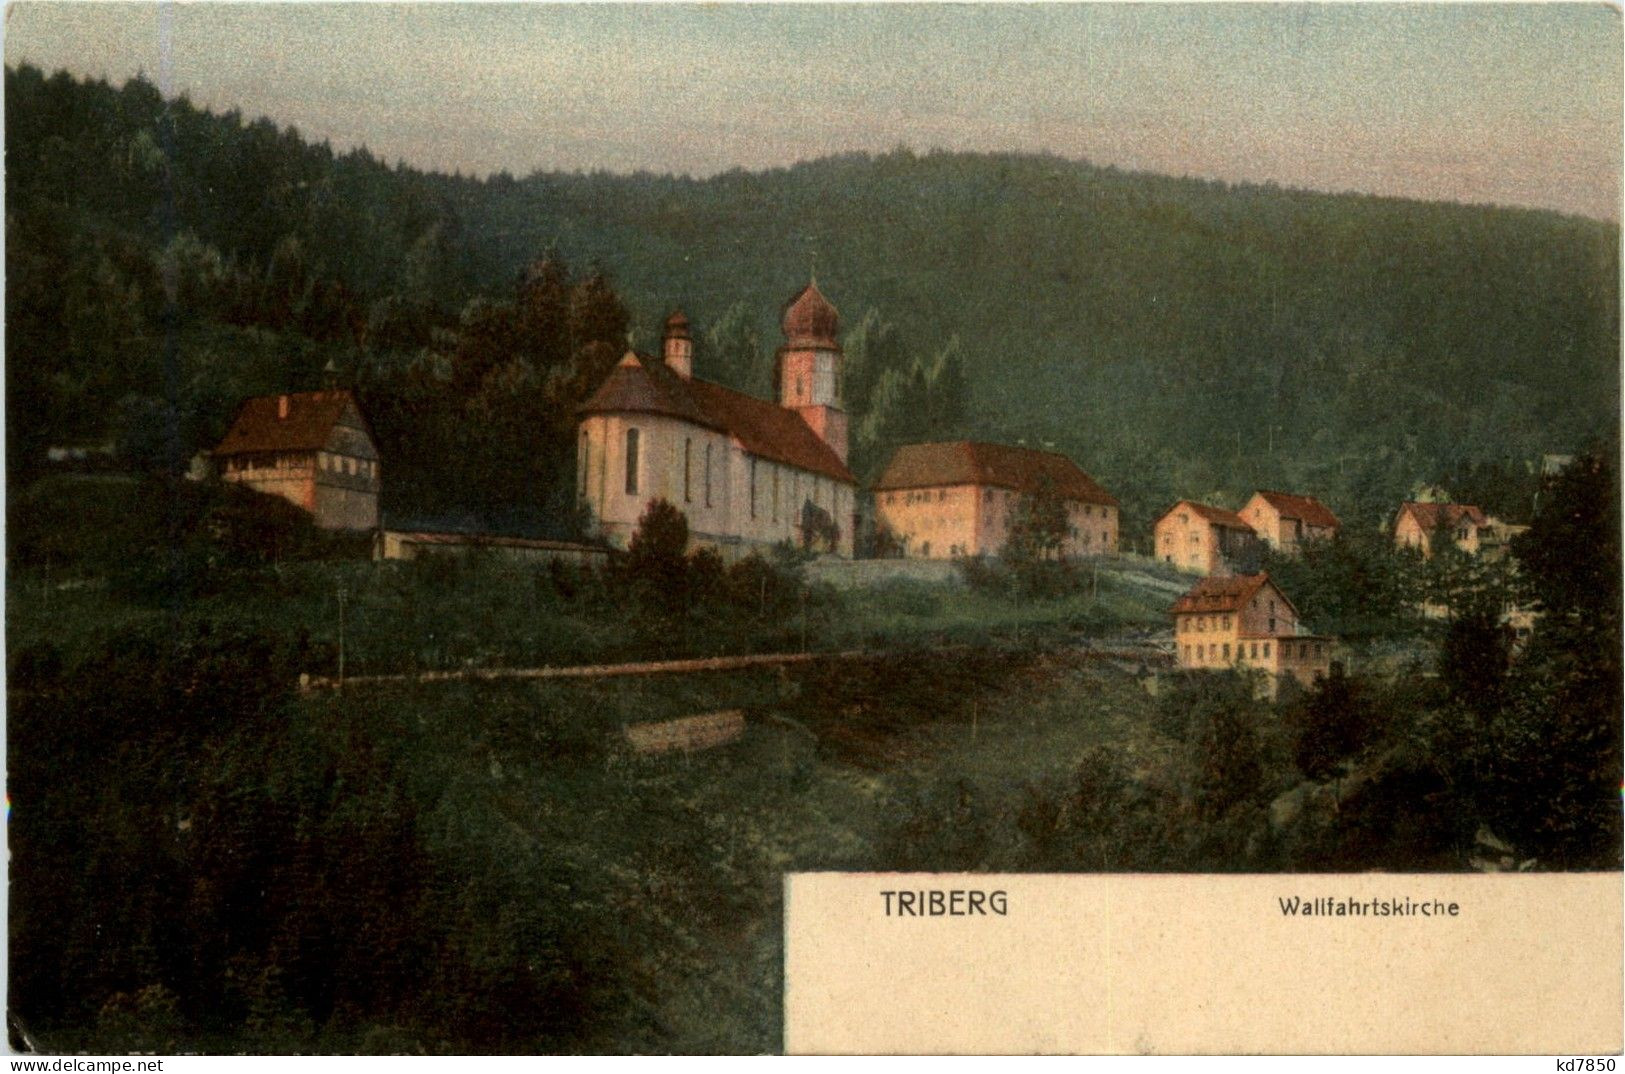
(746, 473)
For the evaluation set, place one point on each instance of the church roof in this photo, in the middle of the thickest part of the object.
(810, 320)
(306, 425)
(970, 462)
(641, 384)
(1306, 509)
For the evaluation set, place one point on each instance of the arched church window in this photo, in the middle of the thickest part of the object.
(631, 462)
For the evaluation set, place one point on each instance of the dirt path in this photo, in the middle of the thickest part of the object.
(1122, 650)
(309, 683)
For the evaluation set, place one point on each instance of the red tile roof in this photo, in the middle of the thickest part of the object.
(307, 425)
(968, 462)
(1430, 515)
(647, 385)
(1306, 509)
(1223, 594)
(1218, 516)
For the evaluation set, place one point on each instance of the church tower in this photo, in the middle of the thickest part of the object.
(677, 348)
(809, 367)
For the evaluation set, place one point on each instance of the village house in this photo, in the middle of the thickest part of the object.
(314, 449)
(1203, 539)
(1284, 520)
(1245, 622)
(955, 498)
(1418, 524)
(747, 473)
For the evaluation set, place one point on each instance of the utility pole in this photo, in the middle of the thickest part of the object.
(343, 593)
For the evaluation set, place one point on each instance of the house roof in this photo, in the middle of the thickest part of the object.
(1430, 516)
(1218, 516)
(260, 424)
(1228, 594)
(641, 384)
(969, 462)
(1306, 509)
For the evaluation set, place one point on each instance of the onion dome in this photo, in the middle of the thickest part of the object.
(677, 325)
(810, 320)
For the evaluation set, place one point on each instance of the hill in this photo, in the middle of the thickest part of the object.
(1178, 337)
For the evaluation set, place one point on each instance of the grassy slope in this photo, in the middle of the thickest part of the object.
(402, 617)
(688, 852)
(677, 862)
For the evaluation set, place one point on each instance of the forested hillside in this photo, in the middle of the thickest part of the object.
(1177, 337)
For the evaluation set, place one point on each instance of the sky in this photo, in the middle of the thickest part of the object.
(1501, 103)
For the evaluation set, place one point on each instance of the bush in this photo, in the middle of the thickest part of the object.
(656, 565)
(1331, 722)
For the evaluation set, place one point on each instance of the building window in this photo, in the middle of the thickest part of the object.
(1227, 651)
(708, 475)
(1266, 650)
(1272, 625)
(688, 466)
(631, 462)
(1255, 650)
(942, 495)
(1187, 654)
(1227, 622)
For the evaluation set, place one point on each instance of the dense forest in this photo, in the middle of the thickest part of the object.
(1178, 337)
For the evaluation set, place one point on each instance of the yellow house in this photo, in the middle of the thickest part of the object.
(1245, 621)
(1204, 539)
(1417, 524)
(955, 498)
(1285, 520)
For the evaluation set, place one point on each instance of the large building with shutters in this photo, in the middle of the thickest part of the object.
(746, 473)
(959, 498)
(1244, 622)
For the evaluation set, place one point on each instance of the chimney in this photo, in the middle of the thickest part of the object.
(678, 348)
(281, 407)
